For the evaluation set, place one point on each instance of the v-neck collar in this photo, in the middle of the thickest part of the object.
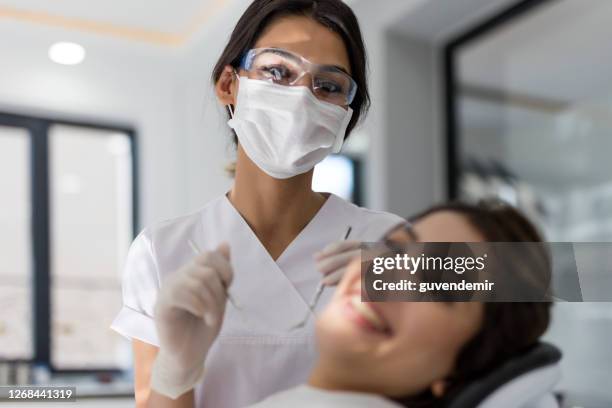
(320, 214)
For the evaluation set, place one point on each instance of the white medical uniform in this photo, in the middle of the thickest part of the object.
(309, 397)
(256, 354)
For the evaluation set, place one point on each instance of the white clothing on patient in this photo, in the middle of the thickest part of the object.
(306, 396)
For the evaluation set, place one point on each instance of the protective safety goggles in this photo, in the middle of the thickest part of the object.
(399, 237)
(396, 241)
(328, 83)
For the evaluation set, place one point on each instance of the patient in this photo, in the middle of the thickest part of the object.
(419, 354)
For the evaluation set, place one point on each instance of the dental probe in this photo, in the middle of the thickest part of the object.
(197, 251)
(317, 295)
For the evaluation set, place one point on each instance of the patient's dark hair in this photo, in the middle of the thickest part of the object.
(508, 329)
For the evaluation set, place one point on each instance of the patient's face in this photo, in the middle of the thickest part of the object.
(398, 348)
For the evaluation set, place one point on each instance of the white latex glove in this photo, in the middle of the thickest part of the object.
(188, 316)
(334, 258)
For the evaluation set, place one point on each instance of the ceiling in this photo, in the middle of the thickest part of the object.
(161, 22)
(435, 21)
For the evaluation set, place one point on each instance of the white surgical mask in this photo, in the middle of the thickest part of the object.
(286, 130)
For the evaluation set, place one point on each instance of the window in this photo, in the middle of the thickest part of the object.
(340, 175)
(91, 231)
(15, 240)
(68, 219)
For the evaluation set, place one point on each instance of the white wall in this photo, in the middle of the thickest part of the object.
(406, 154)
(208, 141)
(415, 156)
(376, 22)
(117, 83)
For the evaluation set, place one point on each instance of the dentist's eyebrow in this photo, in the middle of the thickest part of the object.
(332, 67)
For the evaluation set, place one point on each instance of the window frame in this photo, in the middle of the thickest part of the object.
(40, 228)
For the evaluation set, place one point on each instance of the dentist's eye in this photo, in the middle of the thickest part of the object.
(276, 73)
(328, 87)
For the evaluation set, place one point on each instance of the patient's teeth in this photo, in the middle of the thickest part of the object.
(367, 312)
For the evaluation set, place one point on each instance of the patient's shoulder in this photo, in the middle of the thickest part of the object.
(306, 396)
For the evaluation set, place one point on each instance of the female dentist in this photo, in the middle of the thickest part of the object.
(293, 80)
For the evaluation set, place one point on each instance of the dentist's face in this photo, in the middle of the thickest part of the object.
(300, 35)
(399, 348)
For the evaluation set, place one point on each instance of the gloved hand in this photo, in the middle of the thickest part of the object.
(334, 258)
(188, 316)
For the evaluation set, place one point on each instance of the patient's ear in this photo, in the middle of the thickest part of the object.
(438, 388)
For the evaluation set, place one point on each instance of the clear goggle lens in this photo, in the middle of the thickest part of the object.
(328, 83)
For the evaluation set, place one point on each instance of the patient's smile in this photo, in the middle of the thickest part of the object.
(364, 315)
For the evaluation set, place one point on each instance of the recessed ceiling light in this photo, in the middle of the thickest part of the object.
(67, 53)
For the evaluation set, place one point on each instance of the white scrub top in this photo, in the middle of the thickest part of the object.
(255, 355)
(309, 397)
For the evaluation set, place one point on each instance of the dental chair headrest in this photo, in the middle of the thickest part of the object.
(526, 381)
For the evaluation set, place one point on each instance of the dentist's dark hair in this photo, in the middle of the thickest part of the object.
(332, 14)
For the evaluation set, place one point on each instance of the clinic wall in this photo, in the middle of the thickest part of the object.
(404, 169)
(413, 145)
(209, 146)
(118, 83)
